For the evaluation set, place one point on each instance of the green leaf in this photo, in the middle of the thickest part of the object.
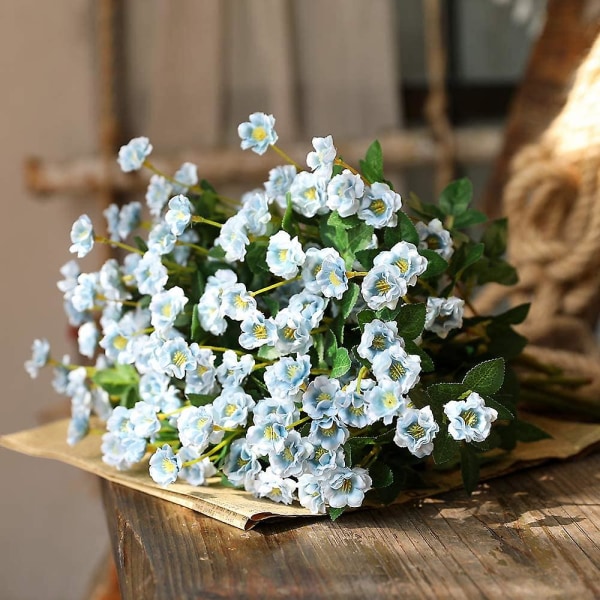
(287, 222)
(341, 363)
(335, 513)
(405, 231)
(486, 378)
(444, 448)
(116, 380)
(268, 353)
(469, 218)
(444, 392)
(503, 411)
(372, 166)
(331, 345)
(436, 265)
(495, 270)
(411, 320)
(364, 317)
(467, 255)
(360, 237)
(426, 211)
(140, 243)
(366, 258)
(381, 474)
(349, 299)
(456, 197)
(469, 467)
(256, 257)
(515, 315)
(528, 432)
(495, 238)
(427, 365)
(196, 329)
(201, 399)
(333, 234)
(216, 252)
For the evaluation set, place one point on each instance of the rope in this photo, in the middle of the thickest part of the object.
(552, 199)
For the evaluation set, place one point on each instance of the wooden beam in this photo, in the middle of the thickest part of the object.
(401, 149)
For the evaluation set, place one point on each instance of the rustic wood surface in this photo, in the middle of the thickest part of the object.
(534, 534)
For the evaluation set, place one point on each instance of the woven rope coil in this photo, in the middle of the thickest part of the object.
(552, 200)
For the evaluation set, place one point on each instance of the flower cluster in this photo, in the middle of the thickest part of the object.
(307, 342)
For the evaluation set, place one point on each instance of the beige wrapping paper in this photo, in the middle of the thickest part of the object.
(241, 509)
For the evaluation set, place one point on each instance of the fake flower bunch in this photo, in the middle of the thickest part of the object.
(308, 342)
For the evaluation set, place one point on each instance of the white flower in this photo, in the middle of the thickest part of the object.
(470, 419)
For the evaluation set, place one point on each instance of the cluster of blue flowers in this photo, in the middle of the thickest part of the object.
(272, 387)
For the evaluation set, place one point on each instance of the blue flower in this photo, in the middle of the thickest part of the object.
(150, 274)
(376, 338)
(87, 339)
(201, 380)
(344, 192)
(309, 194)
(293, 332)
(175, 358)
(328, 432)
(258, 133)
(164, 468)
(133, 154)
(82, 236)
(280, 180)
(233, 238)
(161, 240)
(272, 486)
(40, 353)
(383, 287)
(267, 437)
(321, 397)
(323, 460)
(158, 192)
(122, 450)
(310, 306)
(179, 214)
(196, 473)
(144, 419)
(233, 371)
(386, 401)
(415, 430)
(289, 462)
(321, 160)
(310, 493)
(186, 177)
(396, 365)
(331, 277)
(165, 307)
(284, 255)
(84, 295)
(241, 464)
(237, 302)
(195, 427)
(379, 206)
(444, 314)
(470, 419)
(79, 426)
(284, 378)
(406, 257)
(282, 410)
(231, 408)
(255, 210)
(436, 238)
(257, 331)
(347, 487)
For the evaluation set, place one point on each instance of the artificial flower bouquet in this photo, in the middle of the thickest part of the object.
(314, 341)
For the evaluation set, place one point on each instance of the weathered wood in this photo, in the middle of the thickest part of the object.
(224, 166)
(534, 534)
(568, 34)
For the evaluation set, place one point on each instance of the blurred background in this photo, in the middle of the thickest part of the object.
(433, 80)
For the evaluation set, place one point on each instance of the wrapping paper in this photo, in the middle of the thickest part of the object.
(240, 509)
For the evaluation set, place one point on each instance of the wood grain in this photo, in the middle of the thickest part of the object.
(534, 534)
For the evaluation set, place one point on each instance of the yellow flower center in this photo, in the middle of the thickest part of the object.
(378, 207)
(469, 417)
(402, 264)
(179, 358)
(416, 431)
(397, 371)
(259, 134)
(383, 286)
(260, 331)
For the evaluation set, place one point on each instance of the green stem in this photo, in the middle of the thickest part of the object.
(195, 247)
(286, 157)
(103, 240)
(296, 423)
(221, 349)
(199, 219)
(351, 274)
(274, 285)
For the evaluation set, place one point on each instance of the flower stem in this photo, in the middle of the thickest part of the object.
(296, 423)
(199, 219)
(286, 157)
(195, 247)
(274, 285)
(103, 240)
(340, 163)
(220, 349)
(351, 274)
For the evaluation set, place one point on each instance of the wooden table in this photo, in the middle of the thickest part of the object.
(533, 534)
